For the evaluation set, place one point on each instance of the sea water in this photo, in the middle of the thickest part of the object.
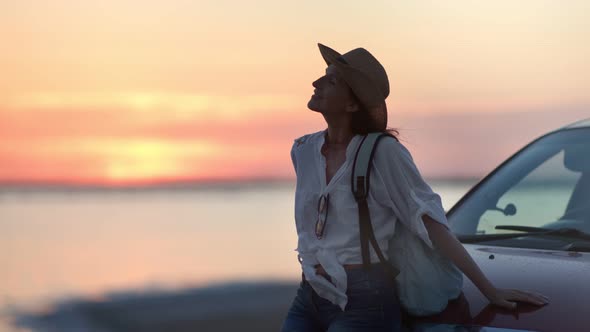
(60, 244)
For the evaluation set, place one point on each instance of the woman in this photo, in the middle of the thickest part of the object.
(337, 293)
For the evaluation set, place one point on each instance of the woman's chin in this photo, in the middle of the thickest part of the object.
(312, 105)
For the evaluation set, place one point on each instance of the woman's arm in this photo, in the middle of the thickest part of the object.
(451, 248)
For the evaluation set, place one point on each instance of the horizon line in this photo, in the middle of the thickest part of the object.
(194, 183)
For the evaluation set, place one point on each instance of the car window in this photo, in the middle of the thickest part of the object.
(546, 185)
(539, 198)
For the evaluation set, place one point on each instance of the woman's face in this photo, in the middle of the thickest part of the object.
(332, 94)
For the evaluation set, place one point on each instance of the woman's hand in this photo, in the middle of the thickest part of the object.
(505, 298)
(451, 248)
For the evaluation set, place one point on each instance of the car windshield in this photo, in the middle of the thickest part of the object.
(546, 186)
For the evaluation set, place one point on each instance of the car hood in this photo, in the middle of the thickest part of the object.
(560, 275)
(431, 327)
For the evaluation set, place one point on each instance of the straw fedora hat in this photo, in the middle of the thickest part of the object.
(365, 76)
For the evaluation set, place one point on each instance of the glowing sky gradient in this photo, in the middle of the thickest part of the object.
(116, 92)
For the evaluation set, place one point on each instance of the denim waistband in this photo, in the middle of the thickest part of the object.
(376, 272)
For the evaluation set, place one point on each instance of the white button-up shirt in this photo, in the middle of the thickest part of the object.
(397, 193)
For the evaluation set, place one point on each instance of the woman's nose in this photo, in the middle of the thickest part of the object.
(315, 83)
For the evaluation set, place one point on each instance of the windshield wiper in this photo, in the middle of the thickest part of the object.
(526, 231)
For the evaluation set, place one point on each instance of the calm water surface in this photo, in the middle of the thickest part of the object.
(56, 245)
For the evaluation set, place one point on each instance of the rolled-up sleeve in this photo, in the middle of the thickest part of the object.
(409, 196)
(293, 159)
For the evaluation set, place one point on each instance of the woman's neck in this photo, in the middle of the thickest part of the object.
(338, 135)
(339, 130)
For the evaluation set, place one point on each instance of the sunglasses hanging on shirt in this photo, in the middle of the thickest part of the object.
(320, 224)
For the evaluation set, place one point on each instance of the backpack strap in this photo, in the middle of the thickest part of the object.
(361, 171)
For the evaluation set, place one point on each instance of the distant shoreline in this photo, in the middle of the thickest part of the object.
(180, 185)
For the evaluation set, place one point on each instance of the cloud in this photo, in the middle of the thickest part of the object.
(466, 144)
(147, 137)
(140, 139)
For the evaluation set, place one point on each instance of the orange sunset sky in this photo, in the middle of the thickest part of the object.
(120, 92)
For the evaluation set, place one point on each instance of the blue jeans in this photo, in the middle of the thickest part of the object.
(372, 306)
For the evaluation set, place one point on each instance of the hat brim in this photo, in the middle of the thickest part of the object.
(329, 55)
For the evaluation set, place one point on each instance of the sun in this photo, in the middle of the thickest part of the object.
(147, 161)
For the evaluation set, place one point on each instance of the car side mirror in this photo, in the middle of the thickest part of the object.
(509, 210)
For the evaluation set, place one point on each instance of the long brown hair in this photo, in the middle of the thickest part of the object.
(363, 122)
